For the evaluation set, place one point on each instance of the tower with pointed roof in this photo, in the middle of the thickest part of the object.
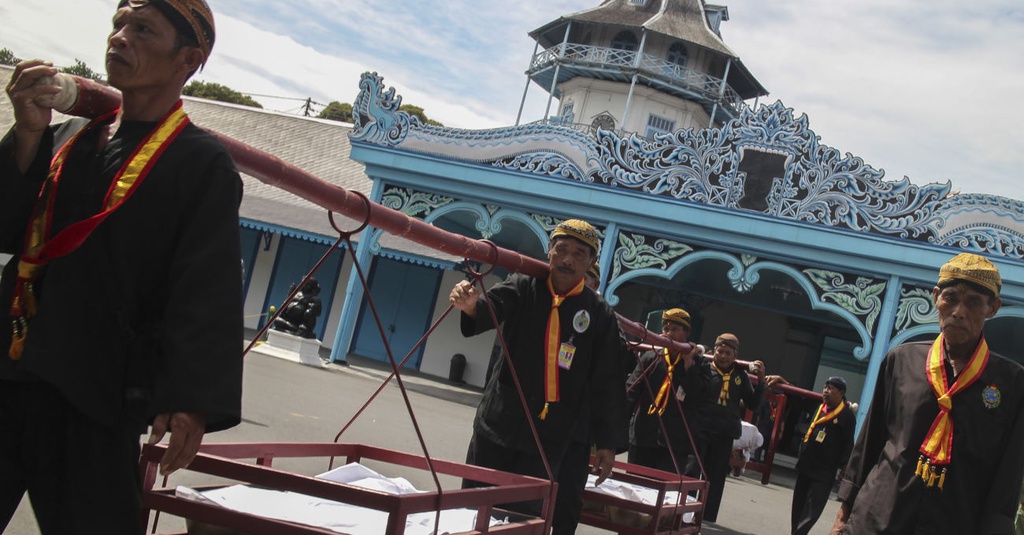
(644, 66)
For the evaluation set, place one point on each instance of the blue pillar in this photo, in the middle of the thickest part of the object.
(611, 239)
(354, 288)
(880, 346)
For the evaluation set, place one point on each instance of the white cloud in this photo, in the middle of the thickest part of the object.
(923, 89)
(926, 89)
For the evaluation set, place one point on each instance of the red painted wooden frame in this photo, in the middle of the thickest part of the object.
(225, 460)
(664, 519)
(765, 468)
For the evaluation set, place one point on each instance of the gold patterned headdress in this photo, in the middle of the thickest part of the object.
(972, 268)
(676, 315)
(580, 230)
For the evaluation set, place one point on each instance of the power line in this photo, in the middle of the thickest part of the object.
(306, 109)
(273, 96)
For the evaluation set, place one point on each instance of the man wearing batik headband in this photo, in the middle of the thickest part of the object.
(122, 306)
(563, 341)
(656, 391)
(941, 450)
(722, 391)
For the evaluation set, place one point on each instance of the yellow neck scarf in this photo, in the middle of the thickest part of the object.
(553, 339)
(723, 395)
(937, 448)
(661, 400)
(822, 419)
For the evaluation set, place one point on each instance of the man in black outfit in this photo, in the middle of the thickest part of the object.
(123, 304)
(564, 343)
(655, 391)
(722, 391)
(826, 448)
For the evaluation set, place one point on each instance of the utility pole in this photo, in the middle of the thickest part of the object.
(306, 108)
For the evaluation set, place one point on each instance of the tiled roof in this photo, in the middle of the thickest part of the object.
(682, 19)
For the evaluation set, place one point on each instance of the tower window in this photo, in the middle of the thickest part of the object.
(567, 114)
(657, 124)
(624, 40)
(678, 54)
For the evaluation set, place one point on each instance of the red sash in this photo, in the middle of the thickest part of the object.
(40, 248)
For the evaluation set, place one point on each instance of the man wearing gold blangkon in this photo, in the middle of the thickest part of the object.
(942, 447)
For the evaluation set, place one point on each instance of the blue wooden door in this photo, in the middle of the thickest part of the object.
(294, 259)
(404, 295)
(250, 247)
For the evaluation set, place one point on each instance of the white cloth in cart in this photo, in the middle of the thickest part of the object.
(636, 493)
(333, 515)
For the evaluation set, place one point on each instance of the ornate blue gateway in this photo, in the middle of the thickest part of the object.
(766, 161)
(759, 198)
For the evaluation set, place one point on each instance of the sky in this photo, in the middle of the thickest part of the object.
(927, 89)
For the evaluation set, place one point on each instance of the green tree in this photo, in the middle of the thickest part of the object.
(417, 111)
(212, 91)
(7, 57)
(337, 111)
(81, 69)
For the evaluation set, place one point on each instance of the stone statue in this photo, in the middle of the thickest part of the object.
(300, 314)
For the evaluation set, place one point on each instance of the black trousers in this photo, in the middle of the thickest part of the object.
(809, 499)
(715, 450)
(81, 477)
(572, 478)
(489, 454)
(657, 457)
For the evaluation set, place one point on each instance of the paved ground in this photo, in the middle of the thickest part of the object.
(286, 401)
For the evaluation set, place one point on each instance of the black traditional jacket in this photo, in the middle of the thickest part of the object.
(522, 304)
(145, 317)
(982, 485)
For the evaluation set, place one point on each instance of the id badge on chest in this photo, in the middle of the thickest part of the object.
(566, 352)
(821, 436)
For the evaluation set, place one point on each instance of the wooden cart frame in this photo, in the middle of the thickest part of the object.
(765, 467)
(664, 519)
(225, 461)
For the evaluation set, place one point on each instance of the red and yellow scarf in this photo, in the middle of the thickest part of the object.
(552, 341)
(40, 248)
(937, 448)
(664, 392)
(821, 417)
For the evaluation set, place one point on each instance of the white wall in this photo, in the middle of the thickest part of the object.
(594, 97)
(261, 271)
(447, 339)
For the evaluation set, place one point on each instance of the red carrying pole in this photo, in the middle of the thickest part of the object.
(274, 171)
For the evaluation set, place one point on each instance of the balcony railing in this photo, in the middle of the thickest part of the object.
(587, 129)
(693, 82)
